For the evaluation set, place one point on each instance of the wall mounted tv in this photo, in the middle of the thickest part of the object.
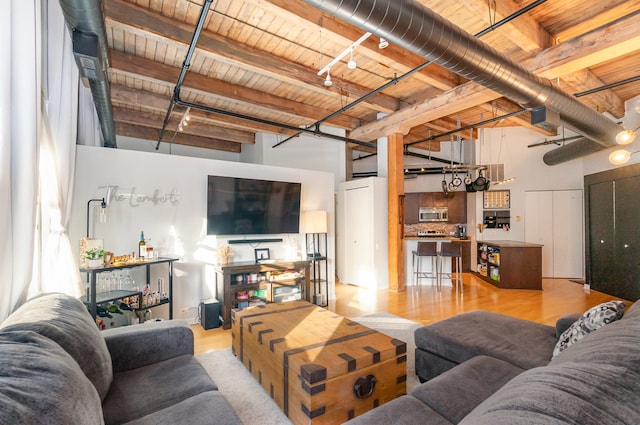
(239, 206)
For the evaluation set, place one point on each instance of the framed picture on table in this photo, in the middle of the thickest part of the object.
(262, 254)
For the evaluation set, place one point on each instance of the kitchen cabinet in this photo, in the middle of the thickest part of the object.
(456, 202)
(612, 231)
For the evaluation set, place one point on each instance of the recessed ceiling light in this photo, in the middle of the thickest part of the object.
(383, 43)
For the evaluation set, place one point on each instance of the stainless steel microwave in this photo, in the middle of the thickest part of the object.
(431, 214)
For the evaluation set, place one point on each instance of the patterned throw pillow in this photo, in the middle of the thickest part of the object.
(591, 320)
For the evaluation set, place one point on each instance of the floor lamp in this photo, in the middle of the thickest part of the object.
(315, 224)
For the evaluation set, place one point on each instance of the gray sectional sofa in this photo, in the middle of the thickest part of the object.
(486, 368)
(56, 367)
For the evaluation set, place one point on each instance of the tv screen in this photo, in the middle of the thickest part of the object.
(239, 206)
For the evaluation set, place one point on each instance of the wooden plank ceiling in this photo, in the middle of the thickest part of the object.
(260, 59)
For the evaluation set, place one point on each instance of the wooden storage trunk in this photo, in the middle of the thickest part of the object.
(319, 367)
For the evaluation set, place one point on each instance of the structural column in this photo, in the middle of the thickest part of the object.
(395, 193)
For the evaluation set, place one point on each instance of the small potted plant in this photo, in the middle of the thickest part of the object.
(94, 257)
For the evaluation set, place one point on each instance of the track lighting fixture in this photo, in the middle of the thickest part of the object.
(383, 43)
(351, 64)
(327, 81)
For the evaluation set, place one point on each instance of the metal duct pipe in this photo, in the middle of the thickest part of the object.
(414, 27)
(87, 16)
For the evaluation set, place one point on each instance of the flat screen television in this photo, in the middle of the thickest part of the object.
(240, 206)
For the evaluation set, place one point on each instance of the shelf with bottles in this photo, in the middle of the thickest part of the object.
(493, 273)
(482, 253)
(493, 256)
(110, 283)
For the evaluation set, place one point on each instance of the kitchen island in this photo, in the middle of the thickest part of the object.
(510, 264)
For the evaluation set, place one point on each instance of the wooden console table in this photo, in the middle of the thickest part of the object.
(510, 264)
(272, 280)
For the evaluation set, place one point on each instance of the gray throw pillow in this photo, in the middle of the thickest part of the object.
(66, 321)
(41, 384)
(592, 319)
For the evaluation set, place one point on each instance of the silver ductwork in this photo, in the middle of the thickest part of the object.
(85, 19)
(416, 28)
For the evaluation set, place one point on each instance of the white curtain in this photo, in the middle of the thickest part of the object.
(57, 158)
(20, 88)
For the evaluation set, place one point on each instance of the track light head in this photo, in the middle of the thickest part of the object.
(383, 43)
(352, 63)
(327, 81)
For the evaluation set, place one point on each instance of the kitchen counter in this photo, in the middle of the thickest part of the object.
(510, 264)
(511, 244)
(432, 239)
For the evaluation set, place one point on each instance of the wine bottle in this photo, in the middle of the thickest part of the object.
(142, 247)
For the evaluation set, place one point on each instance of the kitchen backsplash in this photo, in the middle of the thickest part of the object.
(412, 229)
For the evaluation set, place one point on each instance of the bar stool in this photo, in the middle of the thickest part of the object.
(453, 250)
(425, 249)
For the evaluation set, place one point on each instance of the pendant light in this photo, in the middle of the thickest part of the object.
(626, 137)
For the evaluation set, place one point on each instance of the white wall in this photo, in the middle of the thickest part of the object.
(178, 227)
(306, 151)
(509, 146)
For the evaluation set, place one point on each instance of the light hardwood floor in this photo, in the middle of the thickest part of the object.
(425, 305)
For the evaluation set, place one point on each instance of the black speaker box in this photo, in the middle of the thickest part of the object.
(210, 314)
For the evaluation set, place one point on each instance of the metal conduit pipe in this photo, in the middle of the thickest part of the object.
(87, 16)
(416, 28)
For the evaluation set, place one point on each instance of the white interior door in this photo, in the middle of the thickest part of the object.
(538, 226)
(568, 231)
(554, 219)
(358, 234)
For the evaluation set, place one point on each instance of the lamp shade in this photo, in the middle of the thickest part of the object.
(314, 221)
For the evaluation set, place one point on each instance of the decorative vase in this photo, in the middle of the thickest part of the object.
(96, 262)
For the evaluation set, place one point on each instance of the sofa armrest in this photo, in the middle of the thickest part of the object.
(136, 346)
(563, 323)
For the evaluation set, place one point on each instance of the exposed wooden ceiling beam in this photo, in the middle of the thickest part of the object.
(150, 133)
(242, 54)
(159, 103)
(524, 31)
(531, 37)
(195, 128)
(434, 75)
(159, 72)
(585, 51)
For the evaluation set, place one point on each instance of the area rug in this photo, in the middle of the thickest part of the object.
(254, 406)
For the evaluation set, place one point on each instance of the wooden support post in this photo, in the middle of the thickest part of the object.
(395, 195)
